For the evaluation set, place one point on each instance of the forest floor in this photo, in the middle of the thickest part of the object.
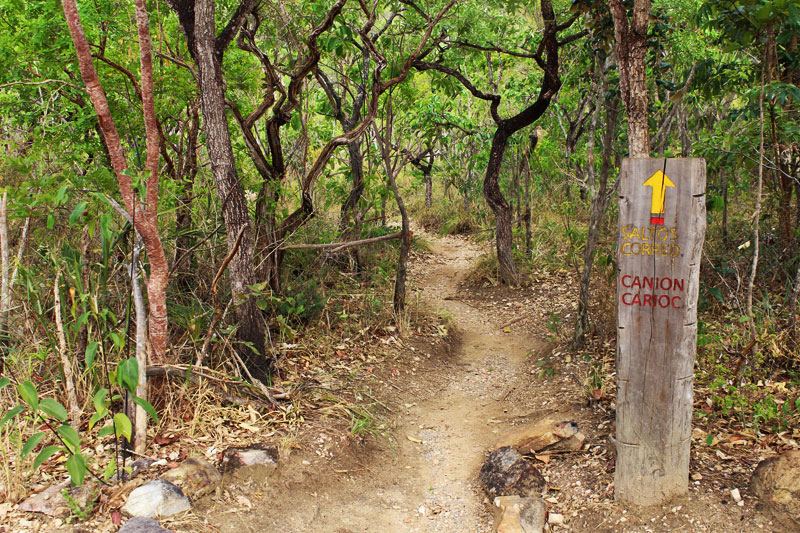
(446, 394)
(450, 403)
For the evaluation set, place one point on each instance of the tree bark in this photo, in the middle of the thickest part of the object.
(66, 361)
(759, 189)
(183, 220)
(428, 188)
(630, 48)
(600, 200)
(197, 20)
(5, 293)
(146, 219)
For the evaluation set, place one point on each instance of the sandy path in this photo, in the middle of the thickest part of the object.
(431, 486)
(447, 420)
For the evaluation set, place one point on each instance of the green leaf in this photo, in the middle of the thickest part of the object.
(710, 439)
(99, 400)
(717, 293)
(91, 353)
(27, 391)
(117, 339)
(77, 213)
(144, 404)
(32, 443)
(764, 12)
(44, 455)
(794, 15)
(123, 426)
(53, 408)
(4, 383)
(111, 469)
(11, 413)
(70, 436)
(61, 195)
(51, 222)
(95, 418)
(105, 431)
(128, 374)
(76, 467)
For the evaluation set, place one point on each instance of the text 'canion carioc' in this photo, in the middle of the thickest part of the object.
(647, 291)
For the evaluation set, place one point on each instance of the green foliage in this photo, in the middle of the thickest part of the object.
(53, 415)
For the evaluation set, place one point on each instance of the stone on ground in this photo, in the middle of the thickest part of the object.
(196, 477)
(776, 483)
(506, 472)
(234, 458)
(514, 514)
(545, 435)
(155, 499)
(141, 524)
(51, 500)
(252, 464)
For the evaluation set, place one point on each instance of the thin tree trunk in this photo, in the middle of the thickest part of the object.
(533, 141)
(399, 299)
(139, 415)
(600, 199)
(23, 245)
(5, 292)
(759, 188)
(428, 188)
(183, 220)
(66, 363)
(724, 206)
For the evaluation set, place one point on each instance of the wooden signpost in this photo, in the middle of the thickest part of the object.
(662, 222)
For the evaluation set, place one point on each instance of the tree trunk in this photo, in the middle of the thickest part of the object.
(724, 206)
(5, 294)
(357, 168)
(600, 199)
(759, 188)
(146, 221)
(533, 141)
(501, 208)
(428, 188)
(250, 332)
(630, 47)
(183, 221)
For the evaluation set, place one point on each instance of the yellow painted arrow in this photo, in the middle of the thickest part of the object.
(659, 182)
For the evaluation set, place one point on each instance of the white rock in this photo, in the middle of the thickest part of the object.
(156, 498)
(555, 519)
(736, 496)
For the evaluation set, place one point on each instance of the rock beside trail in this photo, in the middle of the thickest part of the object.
(142, 525)
(506, 472)
(514, 514)
(545, 435)
(155, 499)
(234, 458)
(196, 477)
(776, 483)
(252, 464)
(51, 500)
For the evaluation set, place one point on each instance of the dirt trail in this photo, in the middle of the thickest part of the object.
(446, 419)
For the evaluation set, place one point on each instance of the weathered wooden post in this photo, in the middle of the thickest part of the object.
(662, 223)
